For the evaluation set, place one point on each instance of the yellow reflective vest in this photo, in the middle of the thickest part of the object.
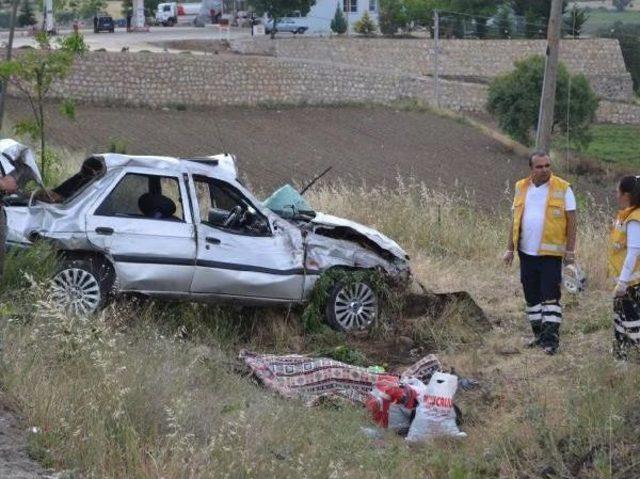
(554, 234)
(618, 244)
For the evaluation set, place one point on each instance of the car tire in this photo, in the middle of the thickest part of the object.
(81, 286)
(352, 306)
(300, 31)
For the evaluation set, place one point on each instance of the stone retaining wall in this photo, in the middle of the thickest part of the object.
(165, 79)
(160, 79)
(477, 60)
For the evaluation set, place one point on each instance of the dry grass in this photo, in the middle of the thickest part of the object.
(154, 391)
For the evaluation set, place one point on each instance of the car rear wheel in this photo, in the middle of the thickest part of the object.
(352, 306)
(80, 287)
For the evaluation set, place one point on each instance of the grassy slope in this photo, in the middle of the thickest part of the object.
(599, 19)
(616, 144)
(154, 393)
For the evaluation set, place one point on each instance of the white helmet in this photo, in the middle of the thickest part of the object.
(574, 279)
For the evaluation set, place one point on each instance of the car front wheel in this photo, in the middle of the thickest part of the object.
(352, 306)
(80, 287)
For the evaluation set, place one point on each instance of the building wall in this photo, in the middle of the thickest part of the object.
(320, 16)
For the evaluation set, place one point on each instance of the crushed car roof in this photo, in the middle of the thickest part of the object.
(224, 162)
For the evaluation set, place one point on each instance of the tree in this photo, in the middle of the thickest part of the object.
(515, 98)
(504, 22)
(533, 27)
(26, 18)
(366, 25)
(32, 75)
(621, 4)
(392, 16)
(13, 20)
(420, 12)
(536, 12)
(90, 8)
(478, 10)
(339, 22)
(574, 21)
(279, 8)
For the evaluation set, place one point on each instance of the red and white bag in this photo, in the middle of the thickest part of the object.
(392, 402)
(435, 414)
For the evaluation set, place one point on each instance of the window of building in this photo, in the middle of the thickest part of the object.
(350, 6)
(373, 5)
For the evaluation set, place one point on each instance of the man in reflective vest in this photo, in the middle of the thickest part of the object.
(544, 232)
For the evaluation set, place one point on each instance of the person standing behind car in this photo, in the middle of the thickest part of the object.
(544, 231)
(8, 185)
(624, 267)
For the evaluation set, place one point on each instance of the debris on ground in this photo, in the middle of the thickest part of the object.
(435, 415)
(315, 379)
(417, 403)
(435, 304)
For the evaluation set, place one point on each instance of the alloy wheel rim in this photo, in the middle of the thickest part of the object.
(76, 291)
(355, 306)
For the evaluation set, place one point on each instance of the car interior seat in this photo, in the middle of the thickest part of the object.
(156, 205)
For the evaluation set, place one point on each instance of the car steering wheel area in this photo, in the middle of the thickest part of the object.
(233, 218)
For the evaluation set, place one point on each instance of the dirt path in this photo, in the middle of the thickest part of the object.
(365, 145)
(14, 460)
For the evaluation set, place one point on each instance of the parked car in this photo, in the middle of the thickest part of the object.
(287, 24)
(188, 229)
(104, 23)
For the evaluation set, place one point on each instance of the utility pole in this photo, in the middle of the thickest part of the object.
(436, 51)
(548, 98)
(12, 29)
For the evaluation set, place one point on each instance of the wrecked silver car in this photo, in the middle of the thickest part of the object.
(188, 229)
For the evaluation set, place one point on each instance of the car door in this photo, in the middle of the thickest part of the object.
(243, 260)
(144, 224)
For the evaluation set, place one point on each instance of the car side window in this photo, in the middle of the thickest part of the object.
(222, 206)
(144, 196)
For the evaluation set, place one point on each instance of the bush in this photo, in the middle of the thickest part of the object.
(515, 98)
(26, 18)
(574, 21)
(339, 22)
(392, 16)
(366, 25)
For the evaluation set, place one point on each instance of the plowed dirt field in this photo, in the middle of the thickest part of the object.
(370, 145)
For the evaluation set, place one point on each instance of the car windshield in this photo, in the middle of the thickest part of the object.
(288, 203)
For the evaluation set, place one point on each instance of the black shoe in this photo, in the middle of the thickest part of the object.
(550, 350)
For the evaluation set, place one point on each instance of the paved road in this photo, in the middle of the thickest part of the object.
(136, 41)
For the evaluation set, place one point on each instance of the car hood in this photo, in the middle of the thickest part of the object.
(372, 235)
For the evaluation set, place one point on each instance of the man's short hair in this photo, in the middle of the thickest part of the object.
(537, 153)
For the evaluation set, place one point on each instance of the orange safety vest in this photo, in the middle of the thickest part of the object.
(618, 244)
(554, 235)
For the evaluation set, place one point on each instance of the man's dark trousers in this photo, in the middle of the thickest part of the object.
(541, 277)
